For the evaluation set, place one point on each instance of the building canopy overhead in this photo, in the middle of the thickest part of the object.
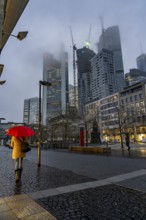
(10, 14)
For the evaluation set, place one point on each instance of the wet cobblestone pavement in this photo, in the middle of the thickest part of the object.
(34, 179)
(108, 202)
(103, 203)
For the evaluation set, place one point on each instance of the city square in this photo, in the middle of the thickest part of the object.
(73, 110)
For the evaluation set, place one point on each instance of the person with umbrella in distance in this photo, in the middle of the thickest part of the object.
(19, 137)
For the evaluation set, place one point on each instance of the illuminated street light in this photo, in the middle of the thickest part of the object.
(43, 83)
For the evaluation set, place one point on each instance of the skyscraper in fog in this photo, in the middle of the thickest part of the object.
(55, 97)
(141, 62)
(102, 75)
(31, 111)
(110, 40)
(84, 56)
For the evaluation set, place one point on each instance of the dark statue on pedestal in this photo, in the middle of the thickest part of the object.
(95, 134)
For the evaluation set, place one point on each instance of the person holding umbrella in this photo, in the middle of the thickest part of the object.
(19, 134)
(17, 155)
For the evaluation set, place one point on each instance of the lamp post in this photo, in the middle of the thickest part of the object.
(20, 36)
(43, 83)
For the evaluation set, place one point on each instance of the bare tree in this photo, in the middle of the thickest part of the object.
(125, 118)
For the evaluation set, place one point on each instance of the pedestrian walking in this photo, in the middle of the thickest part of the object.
(19, 144)
(17, 155)
(127, 140)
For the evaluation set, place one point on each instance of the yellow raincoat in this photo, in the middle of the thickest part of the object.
(16, 145)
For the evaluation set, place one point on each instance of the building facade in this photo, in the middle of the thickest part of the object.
(122, 112)
(134, 76)
(31, 111)
(133, 101)
(103, 81)
(55, 97)
(84, 56)
(110, 40)
(108, 113)
(141, 62)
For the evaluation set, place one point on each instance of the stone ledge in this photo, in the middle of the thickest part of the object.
(94, 150)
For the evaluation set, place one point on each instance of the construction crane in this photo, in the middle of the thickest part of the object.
(74, 69)
(102, 26)
(87, 43)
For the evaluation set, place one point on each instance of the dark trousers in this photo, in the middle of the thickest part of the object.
(128, 144)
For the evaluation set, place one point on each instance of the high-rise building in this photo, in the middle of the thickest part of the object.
(84, 56)
(103, 75)
(134, 76)
(31, 111)
(55, 97)
(110, 40)
(141, 62)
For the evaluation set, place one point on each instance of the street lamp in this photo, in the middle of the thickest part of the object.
(2, 82)
(21, 35)
(43, 83)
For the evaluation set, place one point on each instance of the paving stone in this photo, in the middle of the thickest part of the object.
(34, 179)
(108, 202)
(4, 207)
(41, 216)
(16, 198)
(50, 192)
(36, 195)
(26, 208)
(8, 215)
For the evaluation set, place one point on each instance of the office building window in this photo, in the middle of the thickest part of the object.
(131, 99)
(136, 97)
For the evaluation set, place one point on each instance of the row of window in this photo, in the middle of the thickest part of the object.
(106, 112)
(111, 99)
(132, 98)
(133, 105)
(109, 105)
(139, 119)
(130, 91)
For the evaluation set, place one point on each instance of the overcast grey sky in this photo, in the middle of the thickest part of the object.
(48, 24)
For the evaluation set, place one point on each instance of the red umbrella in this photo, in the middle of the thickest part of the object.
(20, 131)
